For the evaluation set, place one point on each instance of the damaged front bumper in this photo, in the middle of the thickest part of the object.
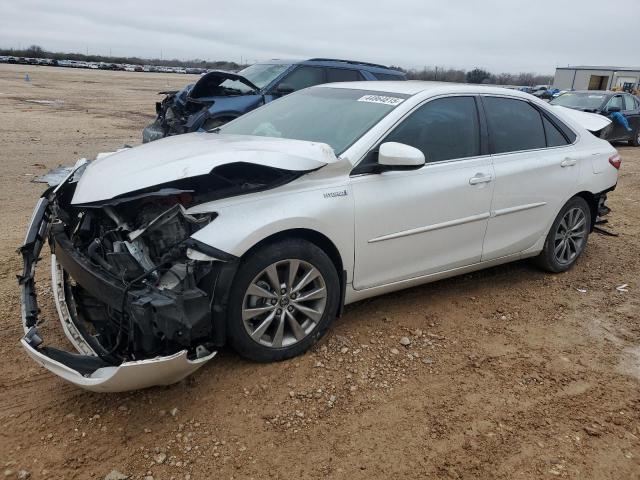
(86, 369)
(152, 132)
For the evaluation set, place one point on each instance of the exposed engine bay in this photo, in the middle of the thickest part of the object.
(142, 243)
(131, 285)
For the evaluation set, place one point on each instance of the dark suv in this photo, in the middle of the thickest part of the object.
(218, 96)
(614, 105)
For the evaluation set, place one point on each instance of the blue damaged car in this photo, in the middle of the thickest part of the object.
(219, 96)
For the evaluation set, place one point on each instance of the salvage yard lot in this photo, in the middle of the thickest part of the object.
(509, 373)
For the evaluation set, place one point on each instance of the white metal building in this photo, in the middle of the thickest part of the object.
(595, 78)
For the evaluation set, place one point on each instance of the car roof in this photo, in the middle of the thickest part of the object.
(413, 87)
(597, 92)
(336, 62)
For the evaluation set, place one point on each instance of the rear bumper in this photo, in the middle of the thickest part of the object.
(84, 369)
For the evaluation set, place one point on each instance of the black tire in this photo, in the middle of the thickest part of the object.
(548, 259)
(635, 140)
(251, 267)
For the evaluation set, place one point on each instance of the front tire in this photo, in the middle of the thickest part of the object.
(567, 237)
(283, 299)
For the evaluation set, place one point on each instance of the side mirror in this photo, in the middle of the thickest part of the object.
(284, 89)
(398, 156)
(613, 109)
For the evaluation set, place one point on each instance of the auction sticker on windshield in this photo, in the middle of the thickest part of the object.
(381, 99)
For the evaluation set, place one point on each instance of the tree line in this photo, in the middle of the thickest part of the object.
(477, 75)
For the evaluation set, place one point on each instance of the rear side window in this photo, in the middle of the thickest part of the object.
(342, 75)
(514, 125)
(387, 76)
(443, 129)
(629, 102)
(554, 136)
(303, 77)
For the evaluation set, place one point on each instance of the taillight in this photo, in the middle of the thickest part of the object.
(615, 160)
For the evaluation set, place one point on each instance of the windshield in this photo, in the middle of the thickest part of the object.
(260, 74)
(335, 116)
(584, 100)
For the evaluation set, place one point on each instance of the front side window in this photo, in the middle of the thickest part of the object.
(303, 77)
(616, 101)
(342, 75)
(514, 125)
(443, 129)
(260, 74)
(336, 116)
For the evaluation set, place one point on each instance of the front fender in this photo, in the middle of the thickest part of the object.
(239, 226)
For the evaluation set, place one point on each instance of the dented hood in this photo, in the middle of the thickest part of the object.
(190, 155)
(593, 122)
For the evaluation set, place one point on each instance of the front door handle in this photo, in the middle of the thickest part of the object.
(480, 178)
(567, 162)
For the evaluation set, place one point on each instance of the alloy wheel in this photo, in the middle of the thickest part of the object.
(284, 303)
(570, 236)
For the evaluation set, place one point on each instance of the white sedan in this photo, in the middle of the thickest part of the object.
(258, 233)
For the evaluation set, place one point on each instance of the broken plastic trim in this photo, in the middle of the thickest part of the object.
(85, 369)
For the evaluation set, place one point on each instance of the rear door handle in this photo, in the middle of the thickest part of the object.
(480, 178)
(567, 162)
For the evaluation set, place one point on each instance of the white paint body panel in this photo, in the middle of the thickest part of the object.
(407, 225)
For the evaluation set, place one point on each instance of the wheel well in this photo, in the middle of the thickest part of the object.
(592, 200)
(312, 236)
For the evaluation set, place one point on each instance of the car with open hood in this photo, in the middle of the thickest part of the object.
(257, 234)
(220, 96)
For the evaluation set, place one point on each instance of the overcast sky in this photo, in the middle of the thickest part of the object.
(499, 35)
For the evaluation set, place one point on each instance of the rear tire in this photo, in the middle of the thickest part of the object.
(567, 237)
(282, 301)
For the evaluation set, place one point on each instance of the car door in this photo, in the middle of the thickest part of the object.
(535, 171)
(414, 223)
(618, 131)
(631, 111)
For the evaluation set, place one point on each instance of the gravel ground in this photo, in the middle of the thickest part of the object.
(506, 373)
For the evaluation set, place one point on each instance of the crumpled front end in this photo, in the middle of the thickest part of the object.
(133, 291)
(188, 110)
(176, 114)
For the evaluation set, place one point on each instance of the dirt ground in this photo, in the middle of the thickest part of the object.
(510, 374)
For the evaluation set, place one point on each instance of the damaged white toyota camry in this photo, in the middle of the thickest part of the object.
(258, 233)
